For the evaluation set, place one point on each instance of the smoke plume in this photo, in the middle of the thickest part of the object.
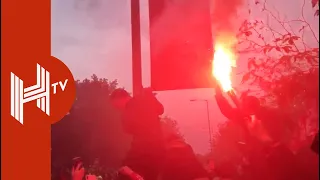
(224, 14)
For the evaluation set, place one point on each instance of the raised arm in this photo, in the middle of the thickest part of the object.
(226, 109)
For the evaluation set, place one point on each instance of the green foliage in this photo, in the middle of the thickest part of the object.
(276, 52)
(283, 67)
(92, 128)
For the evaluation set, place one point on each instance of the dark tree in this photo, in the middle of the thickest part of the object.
(92, 128)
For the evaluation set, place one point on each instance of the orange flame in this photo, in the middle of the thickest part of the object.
(224, 60)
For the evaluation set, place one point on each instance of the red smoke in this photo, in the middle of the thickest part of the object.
(223, 14)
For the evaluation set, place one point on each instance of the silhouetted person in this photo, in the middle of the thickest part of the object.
(272, 125)
(239, 115)
(181, 163)
(266, 130)
(119, 99)
(249, 105)
(141, 120)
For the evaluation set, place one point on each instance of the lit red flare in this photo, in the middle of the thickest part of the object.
(224, 60)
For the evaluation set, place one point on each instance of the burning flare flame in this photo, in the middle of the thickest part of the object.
(224, 60)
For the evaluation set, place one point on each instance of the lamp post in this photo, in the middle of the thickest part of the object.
(208, 119)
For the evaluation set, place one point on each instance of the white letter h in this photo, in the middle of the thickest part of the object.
(39, 92)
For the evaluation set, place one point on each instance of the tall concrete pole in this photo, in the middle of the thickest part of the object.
(136, 47)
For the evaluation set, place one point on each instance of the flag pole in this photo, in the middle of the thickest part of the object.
(136, 47)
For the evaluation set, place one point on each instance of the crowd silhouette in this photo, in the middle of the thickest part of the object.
(155, 154)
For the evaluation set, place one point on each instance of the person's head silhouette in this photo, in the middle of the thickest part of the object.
(250, 104)
(119, 98)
